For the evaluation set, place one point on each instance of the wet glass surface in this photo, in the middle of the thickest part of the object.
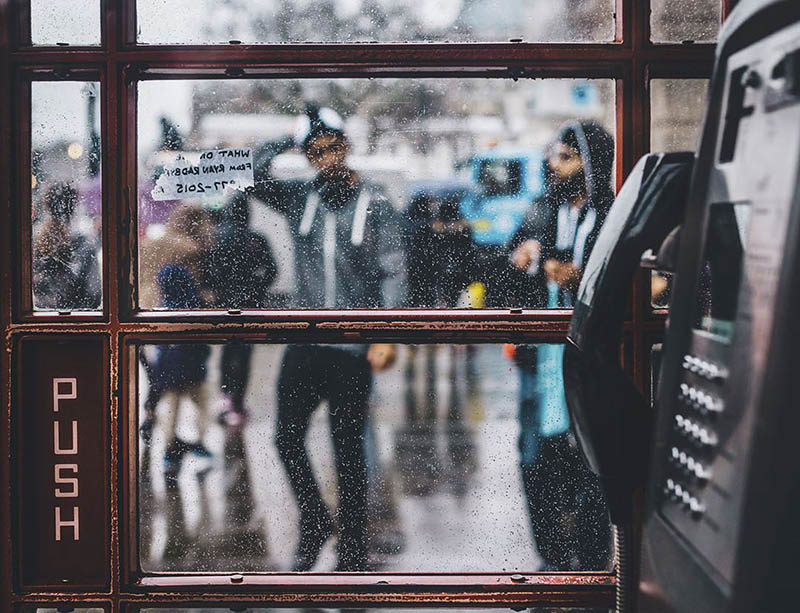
(406, 193)
(677, 108)
(317, 610)
(675, 21)
(71, 22)
(66, 193)
(209, 22)
(62, 609)
(451, 458)
(660, 288)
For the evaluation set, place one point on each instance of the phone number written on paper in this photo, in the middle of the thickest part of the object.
(204, 174)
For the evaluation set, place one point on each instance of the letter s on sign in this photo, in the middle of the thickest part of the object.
(66, 481)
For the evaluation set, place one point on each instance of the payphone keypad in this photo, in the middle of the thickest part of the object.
(695, 439)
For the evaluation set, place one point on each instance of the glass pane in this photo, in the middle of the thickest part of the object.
(406, 193)
(72, 22)
(675, 21)
(677, 107)
(211, 21)
(66, 195)
(448, 458)
(194, 609)
(62, 609)
(661, 288)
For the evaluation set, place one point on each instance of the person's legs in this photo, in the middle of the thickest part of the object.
(199, 397)
(592, 522)
(172, 400)
(235, 367)
(155, 390)
(299, 385)
(549, 504)
(350, 383)
(529, 417)
(176, 448)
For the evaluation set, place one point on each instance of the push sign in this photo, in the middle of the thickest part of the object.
(61, 416)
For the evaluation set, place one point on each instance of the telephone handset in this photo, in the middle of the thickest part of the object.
(612, 419)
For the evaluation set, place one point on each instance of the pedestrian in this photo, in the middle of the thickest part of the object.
(568, 515)
(348, 254)
(180, 259)
(66, 275)
(240, 270)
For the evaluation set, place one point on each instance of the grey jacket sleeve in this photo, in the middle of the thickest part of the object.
(390, 255)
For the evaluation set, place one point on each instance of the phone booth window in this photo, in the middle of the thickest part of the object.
(288, 284)
(444, 199)
(273, 458)
(209, 22)
(66, 194)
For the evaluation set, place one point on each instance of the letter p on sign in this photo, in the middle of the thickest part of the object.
(72, 394)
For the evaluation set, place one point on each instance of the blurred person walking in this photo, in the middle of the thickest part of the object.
(240, 270)
(173, 264)
(66, 275)
(348, 254)
(568, 515)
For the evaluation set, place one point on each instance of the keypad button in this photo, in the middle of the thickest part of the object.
(697, 508)
(704, 368)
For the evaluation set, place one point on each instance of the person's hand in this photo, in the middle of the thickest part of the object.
(525, 254)
(566, 274)
(381, 356)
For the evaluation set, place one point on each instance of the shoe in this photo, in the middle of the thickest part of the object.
(173, 456)
(198, 449)
(313, 535)
(232, 418)
(146, 429)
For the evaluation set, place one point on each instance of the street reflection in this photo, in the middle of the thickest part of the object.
(444, 489)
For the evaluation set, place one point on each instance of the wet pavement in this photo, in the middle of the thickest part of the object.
(445, 490)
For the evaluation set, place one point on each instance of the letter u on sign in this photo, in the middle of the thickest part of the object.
(73, 450)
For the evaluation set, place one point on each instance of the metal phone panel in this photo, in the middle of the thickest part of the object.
(710, 445)
(61, 452)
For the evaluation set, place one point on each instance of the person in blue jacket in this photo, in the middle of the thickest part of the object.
(568, 515)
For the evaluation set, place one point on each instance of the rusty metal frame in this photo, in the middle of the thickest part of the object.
(630, 59)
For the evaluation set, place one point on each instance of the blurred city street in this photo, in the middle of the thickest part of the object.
(445, 489)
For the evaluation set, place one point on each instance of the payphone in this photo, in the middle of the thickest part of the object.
(721, 528)
(722, 518)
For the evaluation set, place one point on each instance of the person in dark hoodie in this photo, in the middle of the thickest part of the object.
(348, 254)
(569, 519)
(241, 269)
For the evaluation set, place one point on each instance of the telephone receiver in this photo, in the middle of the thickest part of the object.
(612, 420)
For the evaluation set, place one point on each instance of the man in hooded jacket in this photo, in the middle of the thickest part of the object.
(569, 519)
(348, 254)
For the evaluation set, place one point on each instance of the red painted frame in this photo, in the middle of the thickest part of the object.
(630, 59)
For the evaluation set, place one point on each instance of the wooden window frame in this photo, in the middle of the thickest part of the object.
(631, 60)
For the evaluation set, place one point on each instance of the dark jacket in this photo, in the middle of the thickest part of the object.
(596, 148)
(347, 244)
(241, 266)
(181, 365)
(439, 250)
(66, 276)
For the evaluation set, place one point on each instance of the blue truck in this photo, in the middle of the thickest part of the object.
(504, 183)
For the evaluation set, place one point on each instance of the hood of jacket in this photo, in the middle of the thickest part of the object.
(596, 148)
